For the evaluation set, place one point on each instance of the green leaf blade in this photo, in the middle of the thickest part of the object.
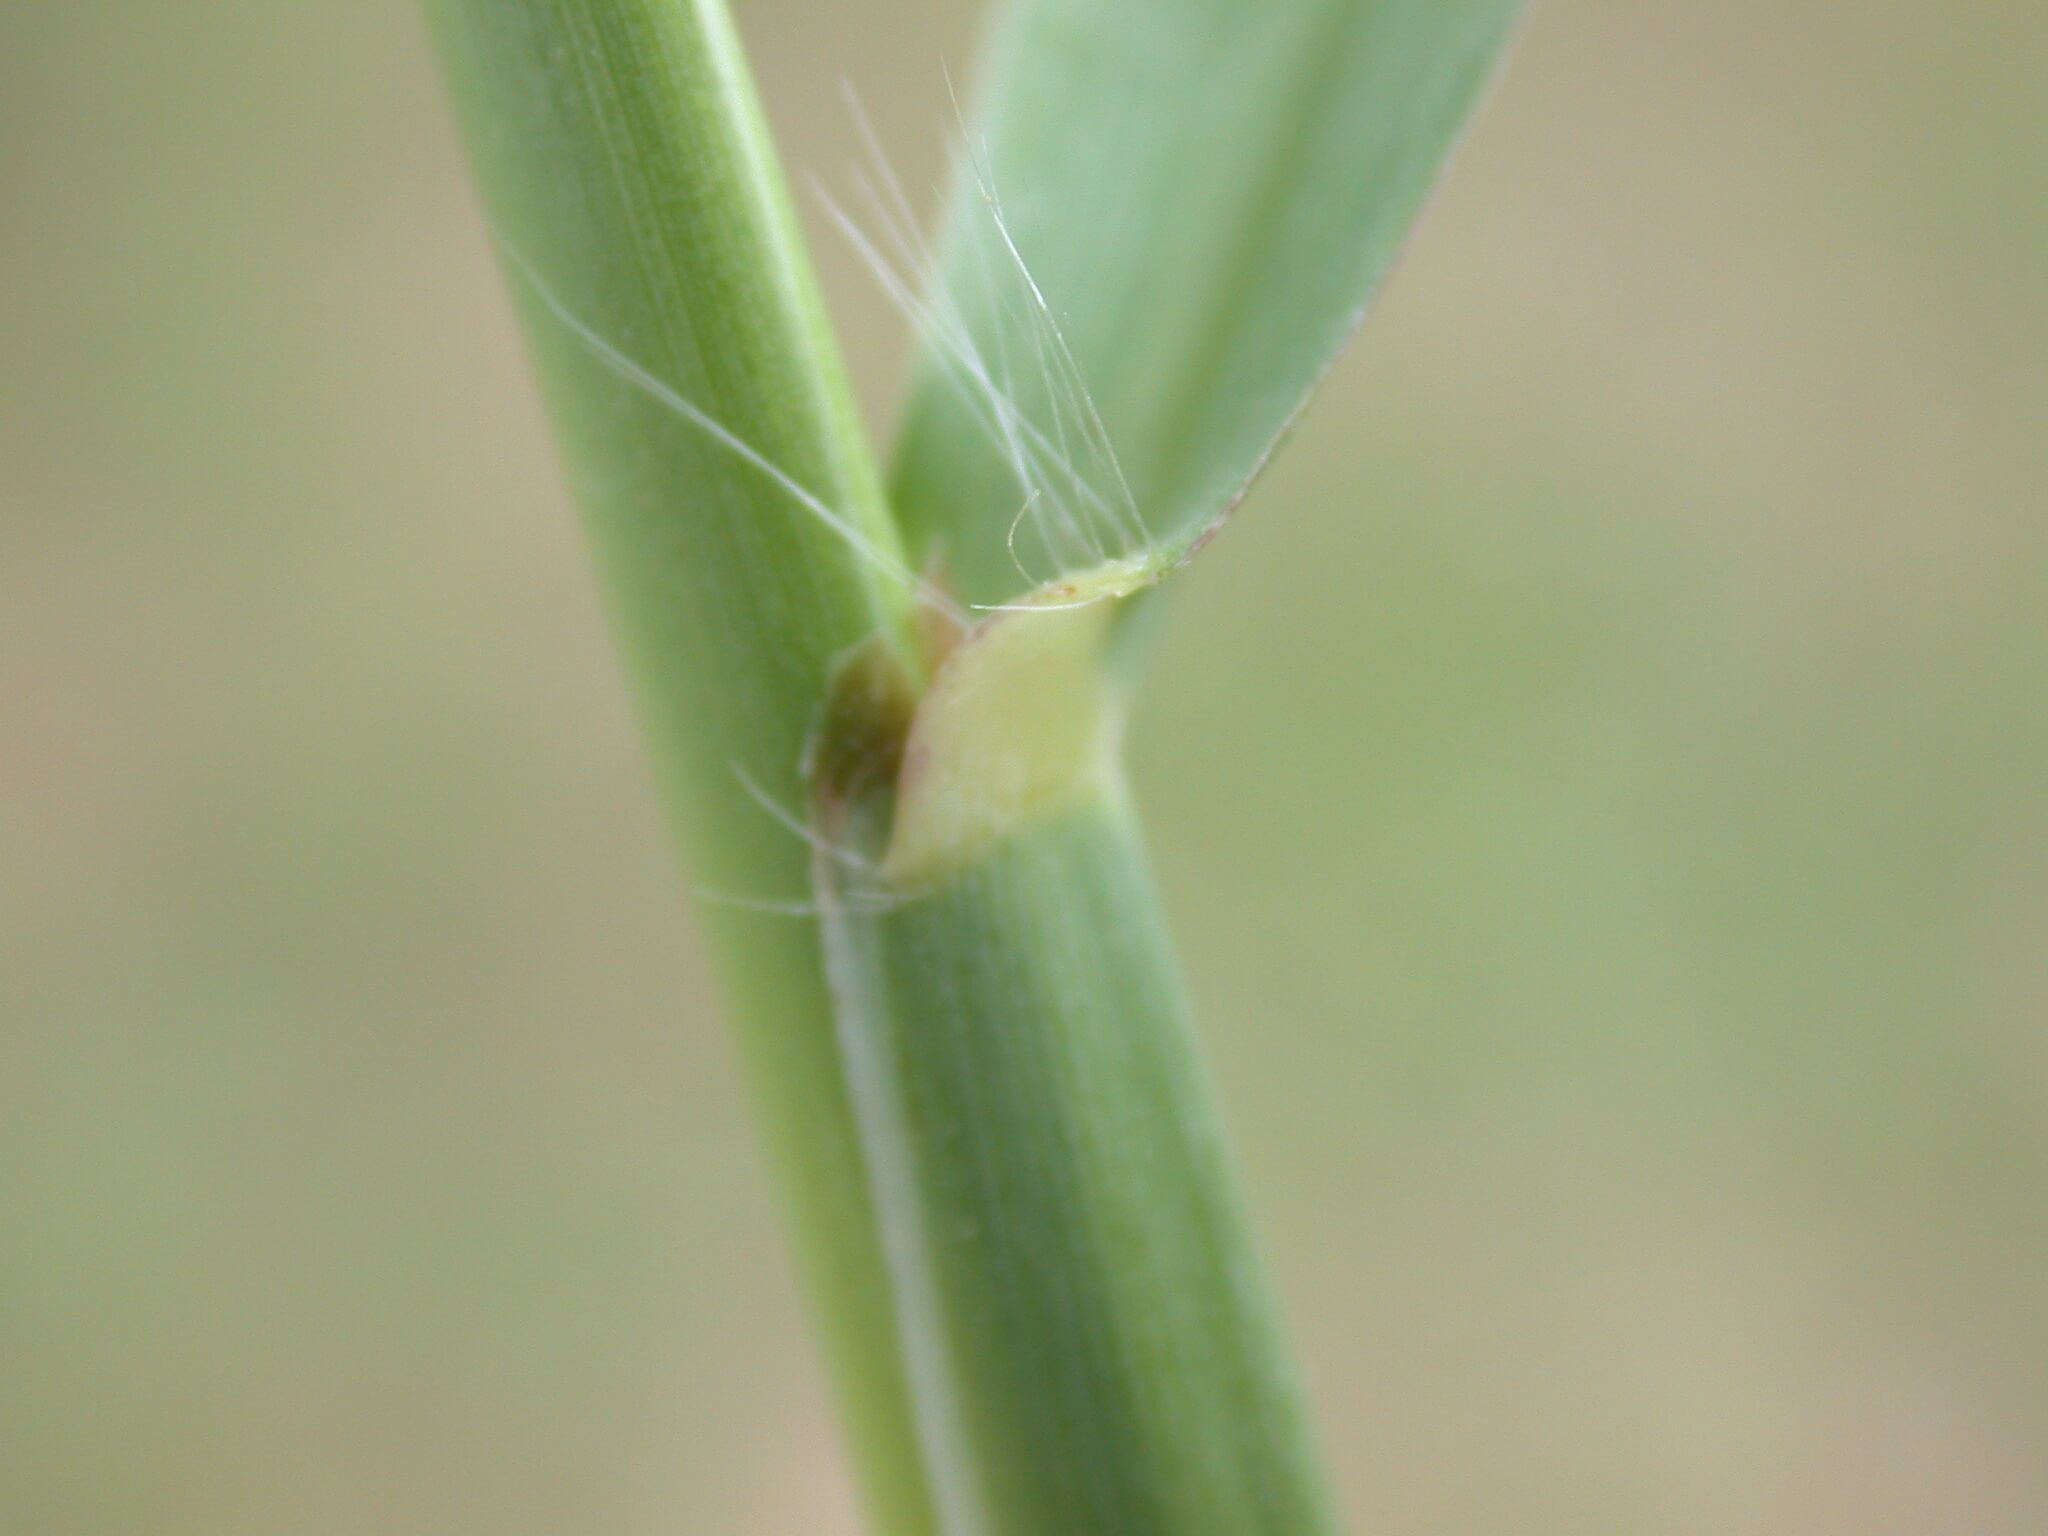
(1206, 193)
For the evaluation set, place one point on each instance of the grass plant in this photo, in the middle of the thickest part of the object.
(886, 711)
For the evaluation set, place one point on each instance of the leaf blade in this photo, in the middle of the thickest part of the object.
(1206, 194)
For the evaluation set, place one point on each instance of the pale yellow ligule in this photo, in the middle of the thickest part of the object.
(1017, 722)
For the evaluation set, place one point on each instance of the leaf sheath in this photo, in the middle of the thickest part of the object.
(1093, 1350)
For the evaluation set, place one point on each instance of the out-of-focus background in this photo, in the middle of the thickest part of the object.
(1601, 784)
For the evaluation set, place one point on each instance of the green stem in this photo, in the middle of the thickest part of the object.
(1092, 1351)
(629, 178)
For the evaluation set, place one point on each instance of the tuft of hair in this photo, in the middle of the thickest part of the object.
(1075, 509)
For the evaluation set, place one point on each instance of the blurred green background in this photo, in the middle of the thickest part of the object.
(1601, 784)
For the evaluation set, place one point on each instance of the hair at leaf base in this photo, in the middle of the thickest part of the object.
(1071, 487)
